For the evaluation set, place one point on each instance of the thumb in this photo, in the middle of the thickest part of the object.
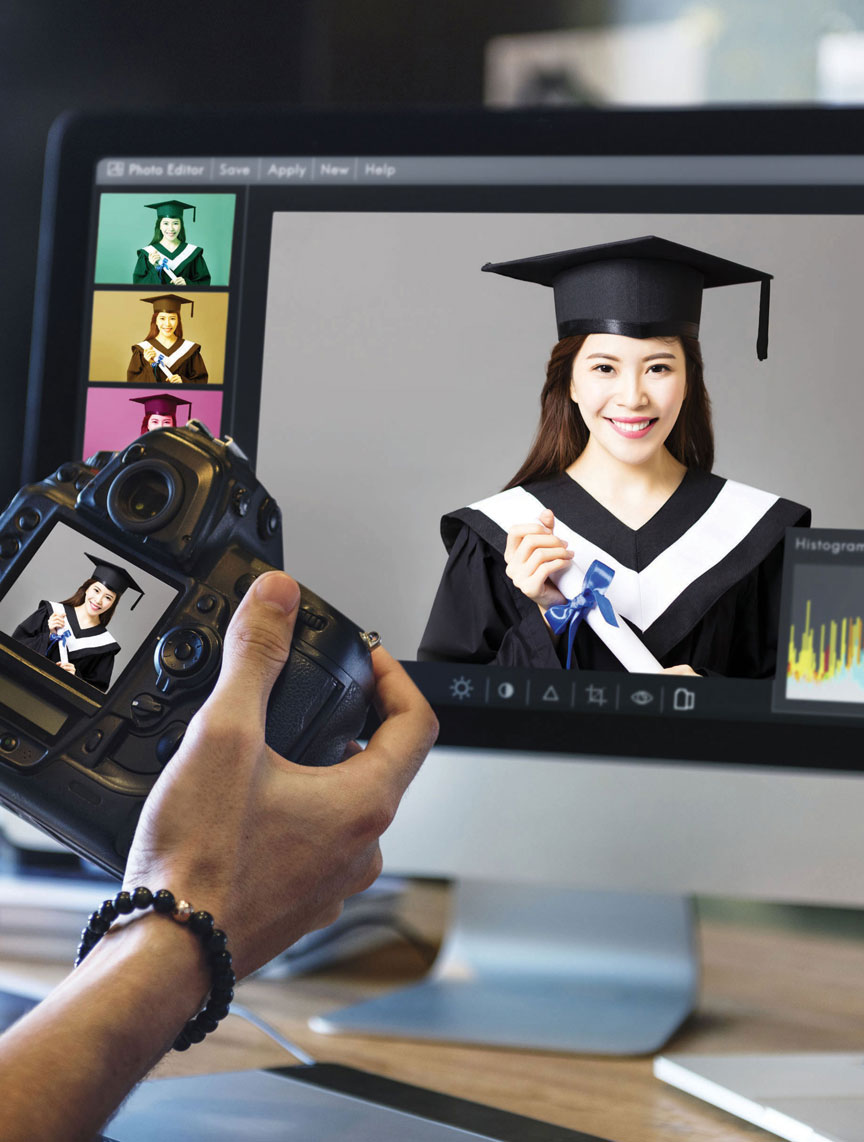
(547, 518)
(258, 641)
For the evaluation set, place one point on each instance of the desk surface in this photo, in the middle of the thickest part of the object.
(765, 988)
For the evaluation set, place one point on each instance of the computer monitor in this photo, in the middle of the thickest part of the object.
(336, 322)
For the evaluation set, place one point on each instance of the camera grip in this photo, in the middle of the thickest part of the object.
(320, 700)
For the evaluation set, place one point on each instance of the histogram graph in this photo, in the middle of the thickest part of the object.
(825, 644)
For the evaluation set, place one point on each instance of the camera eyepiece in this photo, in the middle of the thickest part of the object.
(145, 496)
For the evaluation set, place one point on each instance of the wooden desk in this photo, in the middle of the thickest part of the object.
(764, 989)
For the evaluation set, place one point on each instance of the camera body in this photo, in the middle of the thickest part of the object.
(185, 512)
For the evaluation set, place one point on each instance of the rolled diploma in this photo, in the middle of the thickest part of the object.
(64, 657)
(622, 640)
(516, 506)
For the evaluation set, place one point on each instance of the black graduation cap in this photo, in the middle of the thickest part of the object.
(171, 208)
(641, 287)
(170, 303)
(162, 404)
(114, 577)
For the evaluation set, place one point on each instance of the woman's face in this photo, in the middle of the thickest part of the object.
(170, 228)
(166, 323)
(98, 599)
(156, 420)
(629, 392)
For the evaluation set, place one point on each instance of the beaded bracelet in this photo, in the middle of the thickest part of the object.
(213, 941)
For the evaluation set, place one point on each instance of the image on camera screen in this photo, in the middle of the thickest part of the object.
(81, 607)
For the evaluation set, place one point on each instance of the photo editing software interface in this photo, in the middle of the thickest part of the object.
(331, 315)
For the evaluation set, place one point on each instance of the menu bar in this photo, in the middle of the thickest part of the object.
(576, 170)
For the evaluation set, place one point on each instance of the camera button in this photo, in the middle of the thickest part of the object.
(206, 604)
(243, 584)
(28, 519)
(8, 743)
(146, 709)
(92, 741)
(240, 502)
(9, 545)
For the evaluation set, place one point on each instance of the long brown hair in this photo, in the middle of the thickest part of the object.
(78, 598)
(562, 434)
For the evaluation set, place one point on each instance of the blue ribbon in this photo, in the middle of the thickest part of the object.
(593, 594)
(60, 636)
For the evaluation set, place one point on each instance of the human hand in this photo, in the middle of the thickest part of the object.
(680, 670)
(154, 257)
(271, 848)
(178, 281)
(150, 354)
(175, 379)
(67, 666)
(56, 621)
(533, 553)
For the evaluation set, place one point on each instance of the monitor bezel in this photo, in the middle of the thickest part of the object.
(78, 141)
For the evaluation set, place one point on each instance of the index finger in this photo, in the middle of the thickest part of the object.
(517, 533)
(408, 727)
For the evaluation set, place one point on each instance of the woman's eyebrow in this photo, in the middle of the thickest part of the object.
(650, 357)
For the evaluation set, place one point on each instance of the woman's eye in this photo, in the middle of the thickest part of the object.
(605, 369)
(659, 369)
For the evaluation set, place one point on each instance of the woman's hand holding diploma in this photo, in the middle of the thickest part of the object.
(532, 554)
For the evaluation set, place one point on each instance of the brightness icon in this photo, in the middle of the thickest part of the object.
(461, 688)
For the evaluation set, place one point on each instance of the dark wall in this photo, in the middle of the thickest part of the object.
(110, 55)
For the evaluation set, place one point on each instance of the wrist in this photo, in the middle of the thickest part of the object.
(164, 959)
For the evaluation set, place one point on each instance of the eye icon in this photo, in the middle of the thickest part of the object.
(642, 698)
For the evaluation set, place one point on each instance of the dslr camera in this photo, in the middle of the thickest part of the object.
(95, 693)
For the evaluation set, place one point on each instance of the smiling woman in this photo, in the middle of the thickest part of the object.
(74, 633)
(165, 355)
(618, 484)
(169, 259)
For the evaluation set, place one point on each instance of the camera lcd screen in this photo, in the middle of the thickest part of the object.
(81, 610)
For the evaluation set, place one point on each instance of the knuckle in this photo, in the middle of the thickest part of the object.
(256, 639)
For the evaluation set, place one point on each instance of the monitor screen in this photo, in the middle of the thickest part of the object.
(675, 567)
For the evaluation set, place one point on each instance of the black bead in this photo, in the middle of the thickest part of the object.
(123, 902)
(182, 1042)
(201, 923)
(142, 898)
(193, 1032)
(163, 901)
(216, 941)
(216, 1011)
(219, 961)
(206, 1022)
(108, 911)
(222, 993)
(97, 925)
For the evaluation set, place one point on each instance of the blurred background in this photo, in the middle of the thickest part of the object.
(387, 53)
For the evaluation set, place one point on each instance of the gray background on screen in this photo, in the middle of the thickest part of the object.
(835, 593)
(401, 383)
(59, 568)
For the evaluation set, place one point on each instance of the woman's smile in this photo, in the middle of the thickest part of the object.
(634, 429)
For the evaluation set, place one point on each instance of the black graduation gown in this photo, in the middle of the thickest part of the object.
(187, 262)
(720, 615)
(183, 358)
(91, 650)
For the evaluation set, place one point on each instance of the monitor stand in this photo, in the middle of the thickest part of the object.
(547, 969)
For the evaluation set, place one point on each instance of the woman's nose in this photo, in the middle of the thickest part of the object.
(631, 392)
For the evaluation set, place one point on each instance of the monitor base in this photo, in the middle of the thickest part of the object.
(547, 969)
